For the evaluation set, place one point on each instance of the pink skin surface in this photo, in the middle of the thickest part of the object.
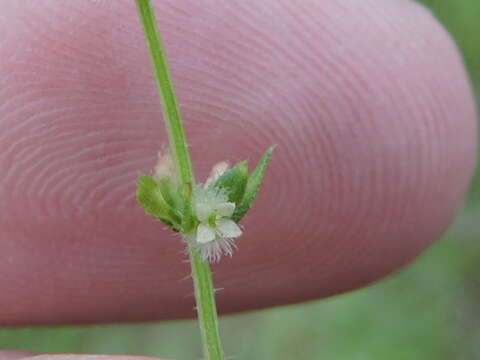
(368, 103)
(17, 355)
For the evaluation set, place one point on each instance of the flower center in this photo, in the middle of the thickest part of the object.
(212, 220)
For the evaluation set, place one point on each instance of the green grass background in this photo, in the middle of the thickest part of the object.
(431, 310)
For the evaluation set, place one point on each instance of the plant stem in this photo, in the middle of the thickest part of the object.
(173, 119)
(206, 308)
(201, 274)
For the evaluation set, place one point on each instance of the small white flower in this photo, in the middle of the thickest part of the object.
(216, 231)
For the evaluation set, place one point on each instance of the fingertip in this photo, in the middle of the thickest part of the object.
(89, 357)
(14, 354)
(369, 104)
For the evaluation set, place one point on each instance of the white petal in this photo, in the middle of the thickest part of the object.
(203, 210)
(165, 166)
(225, 209)
(228, 229)
(205, 234)
(217, 171)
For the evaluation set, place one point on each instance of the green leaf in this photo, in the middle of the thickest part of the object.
(149, 195)
(169, 191)
(147, 189)
(234, 182)
(253, 185)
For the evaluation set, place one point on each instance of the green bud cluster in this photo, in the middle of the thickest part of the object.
(171, 202)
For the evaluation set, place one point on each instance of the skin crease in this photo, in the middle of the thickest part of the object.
(367, 101)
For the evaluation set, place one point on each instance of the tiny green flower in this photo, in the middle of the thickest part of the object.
(205, 215)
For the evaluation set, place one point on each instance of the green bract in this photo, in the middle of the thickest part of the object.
(242, 188)
(234, 181)
(253, 185)
(157, 199)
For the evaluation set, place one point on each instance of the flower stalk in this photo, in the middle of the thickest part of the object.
(201, 273)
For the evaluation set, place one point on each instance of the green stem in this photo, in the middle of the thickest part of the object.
(173, 119)
(201, 274)
(206, 308)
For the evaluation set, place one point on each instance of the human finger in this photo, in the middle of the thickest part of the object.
(367, 101)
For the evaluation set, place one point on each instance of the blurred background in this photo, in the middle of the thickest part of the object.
(431, 310)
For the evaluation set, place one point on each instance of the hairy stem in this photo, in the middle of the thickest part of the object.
(173, 119)
(206, 308)
(201, 273)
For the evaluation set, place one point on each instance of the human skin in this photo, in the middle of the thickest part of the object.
(367, 101)
(12, 355)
